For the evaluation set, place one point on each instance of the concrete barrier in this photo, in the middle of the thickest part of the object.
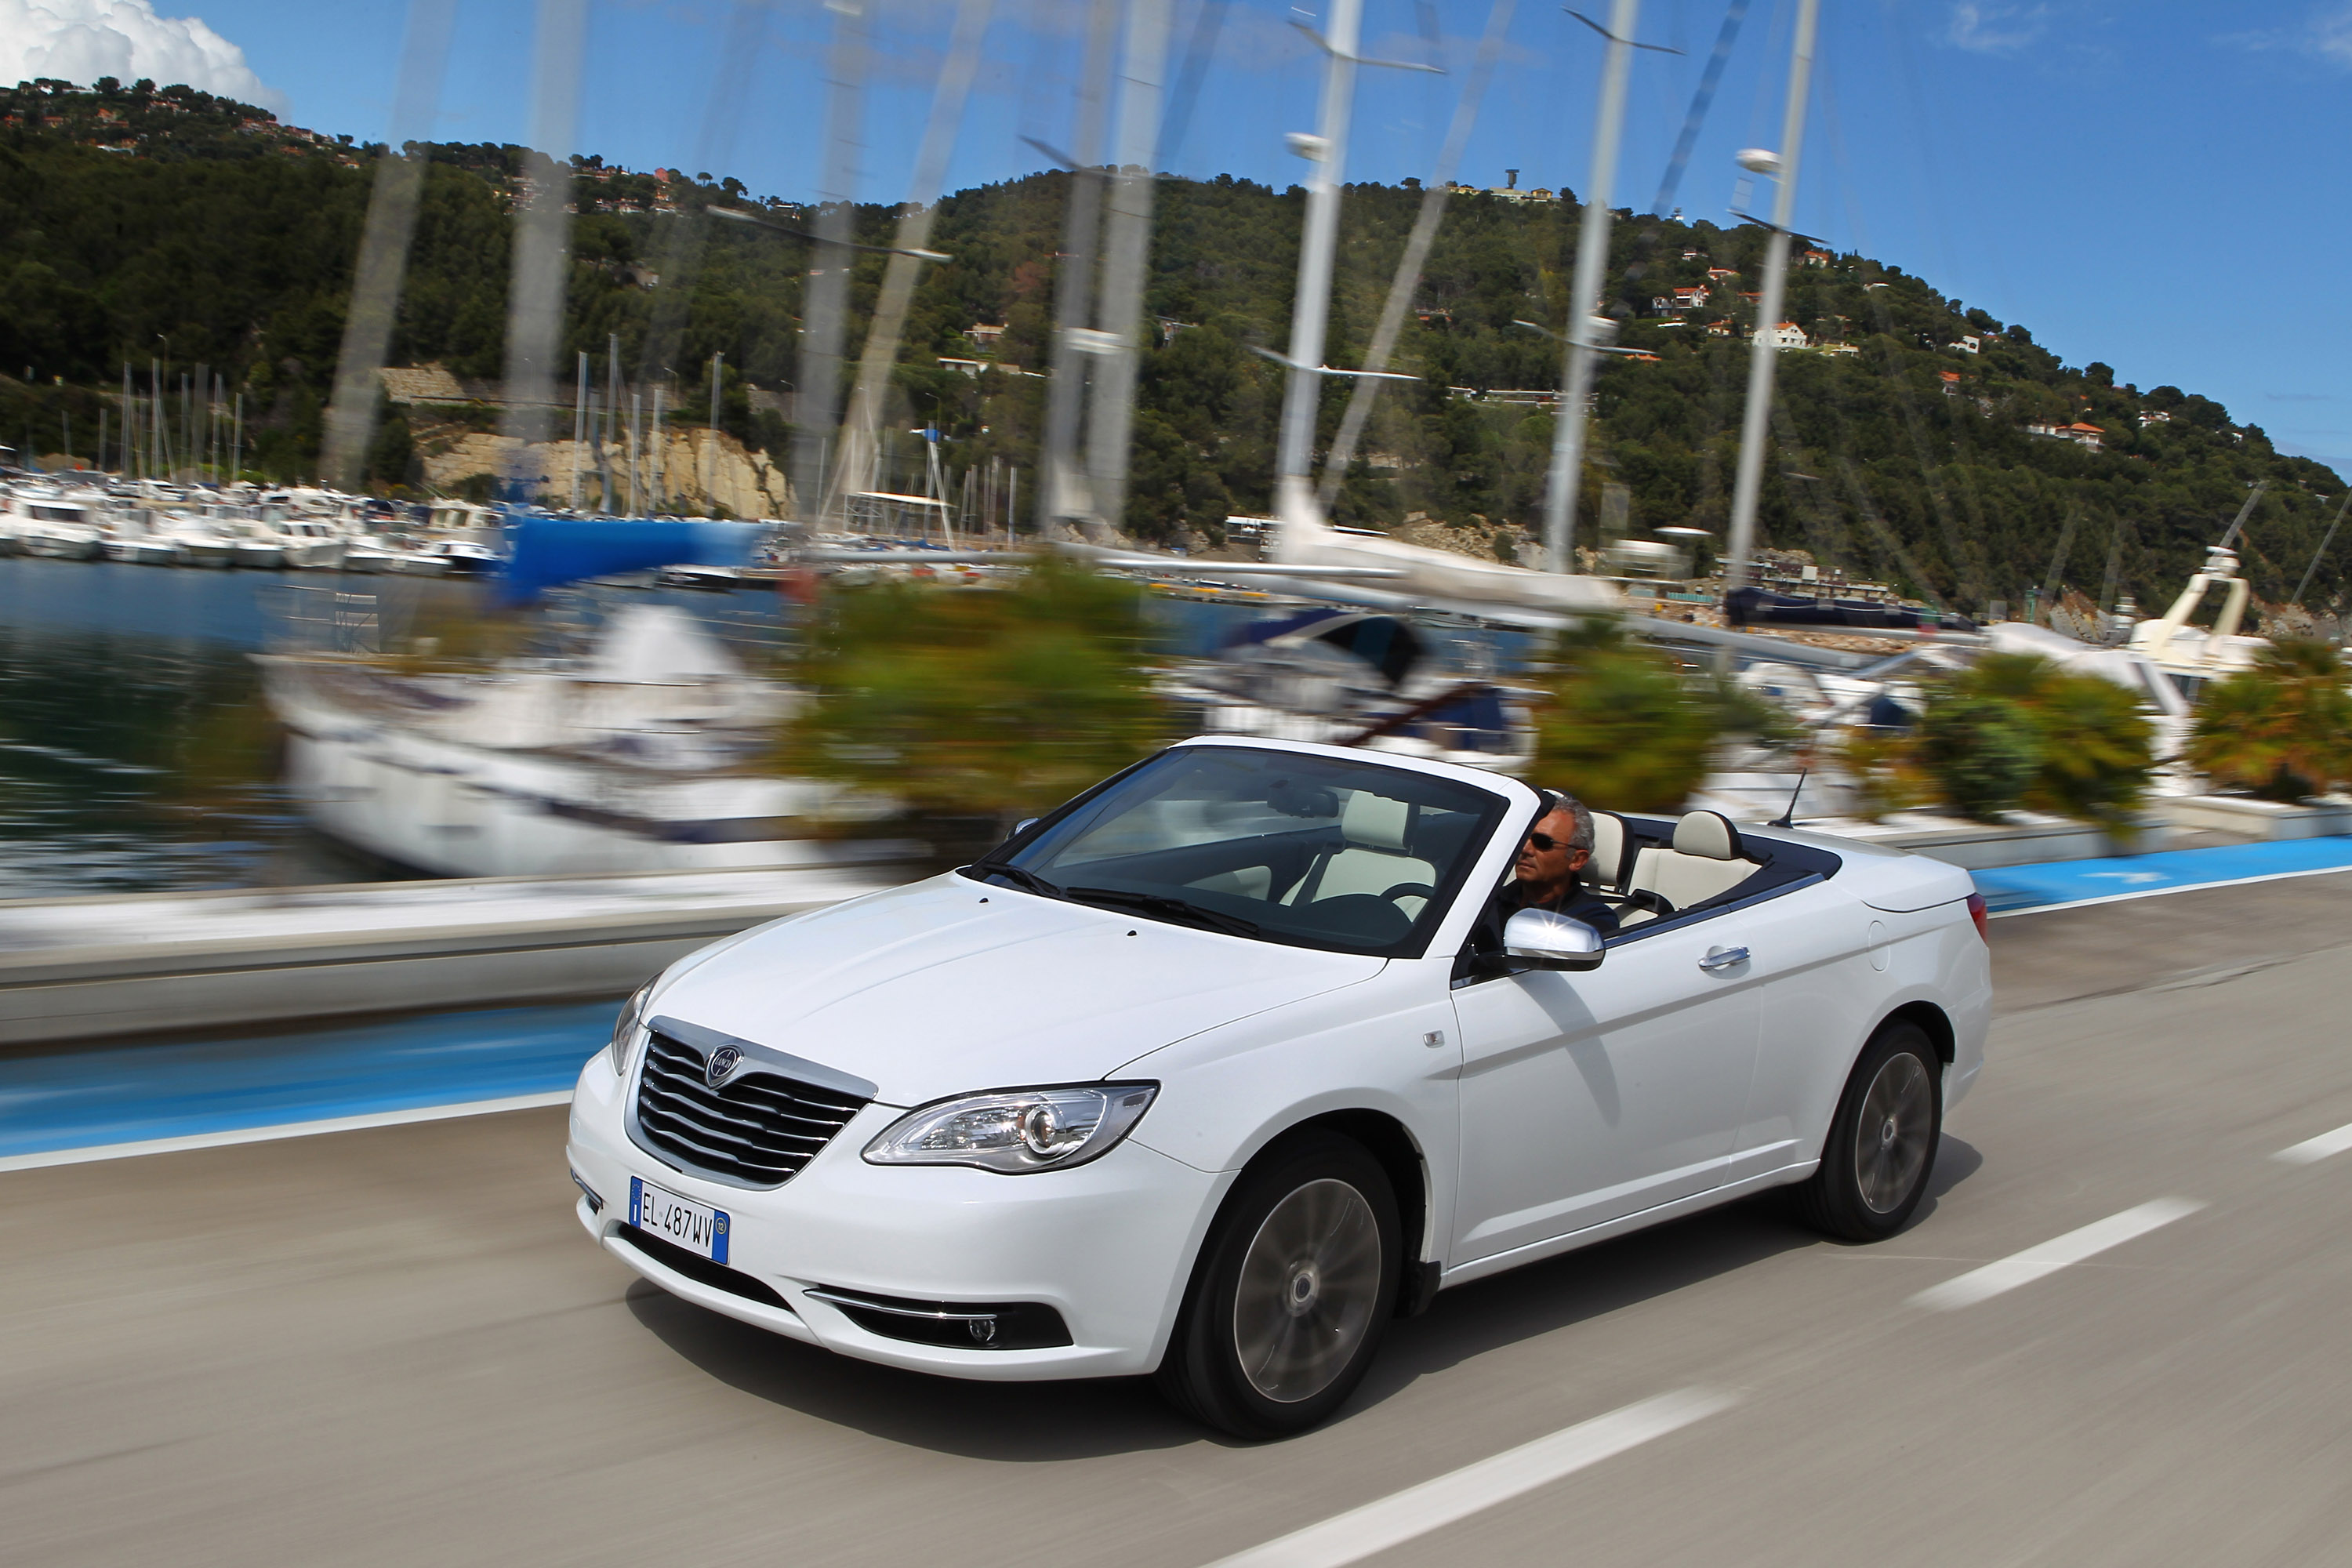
(2257, 819)
(137, 963)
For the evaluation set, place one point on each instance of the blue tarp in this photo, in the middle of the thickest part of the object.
(545, 550)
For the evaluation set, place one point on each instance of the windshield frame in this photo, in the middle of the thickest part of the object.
(1414, 943)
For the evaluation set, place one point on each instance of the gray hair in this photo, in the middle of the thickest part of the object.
(1579, 815)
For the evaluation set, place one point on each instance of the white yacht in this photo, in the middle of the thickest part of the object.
(648, 754)
(256, 547)
(44, 522)
(200, 540)
(132, 539)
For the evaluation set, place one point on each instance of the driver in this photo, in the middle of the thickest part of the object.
(1545, 876)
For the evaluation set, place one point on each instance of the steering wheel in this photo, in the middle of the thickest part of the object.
(1421, 891)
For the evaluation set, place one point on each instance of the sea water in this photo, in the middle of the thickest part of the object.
(138, 756)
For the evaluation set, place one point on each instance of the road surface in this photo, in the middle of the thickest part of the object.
(395, 1346)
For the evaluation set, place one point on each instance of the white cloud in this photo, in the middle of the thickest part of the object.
(1995, 30)
(2331, 36)
(2326, 34)
(82, 41)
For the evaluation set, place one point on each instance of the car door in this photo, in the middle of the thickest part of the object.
(1589, 1096)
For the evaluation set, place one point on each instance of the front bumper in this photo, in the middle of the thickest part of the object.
(1107, 1245)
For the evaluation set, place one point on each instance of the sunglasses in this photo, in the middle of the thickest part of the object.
(1545, 843)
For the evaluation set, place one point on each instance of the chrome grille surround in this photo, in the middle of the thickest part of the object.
(756, 1130)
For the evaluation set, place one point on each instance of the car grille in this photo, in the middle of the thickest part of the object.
(757, 1130)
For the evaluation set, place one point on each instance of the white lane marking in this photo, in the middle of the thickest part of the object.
(2160, 892)
(2026, 1266)
(2312, 1150)
(1400, 1517)
(284, 1130)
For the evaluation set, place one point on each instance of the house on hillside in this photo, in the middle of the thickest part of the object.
(1967, 343)
(1693, 298)
(2154, 417)
(1787, 335)
(983, 335)
(2088, 437)
(1719, 329)
(1816, 258)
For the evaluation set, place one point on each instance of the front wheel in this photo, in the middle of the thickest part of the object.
(1882, 1143)
(1295, 1286)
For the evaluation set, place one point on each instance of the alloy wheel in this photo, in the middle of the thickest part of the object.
(1308, 1289)
(1893, 1132)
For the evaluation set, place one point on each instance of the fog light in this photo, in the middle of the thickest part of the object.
(595, 1200)
(981, 1329)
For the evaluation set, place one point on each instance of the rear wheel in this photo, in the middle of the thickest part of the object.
(1294, 1288)
(1882, 1145)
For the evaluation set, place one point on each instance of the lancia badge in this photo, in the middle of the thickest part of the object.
(723, 1061)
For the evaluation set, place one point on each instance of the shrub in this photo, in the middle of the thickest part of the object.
(1619, 727)
(966, 702)
(2093, 748)
(1982, 752)
(1882, 768)
(2282, 729)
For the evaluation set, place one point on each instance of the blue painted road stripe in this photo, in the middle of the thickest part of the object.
(142, 1093)
(2018, 890)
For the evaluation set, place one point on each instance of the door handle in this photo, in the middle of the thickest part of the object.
(1722, 958)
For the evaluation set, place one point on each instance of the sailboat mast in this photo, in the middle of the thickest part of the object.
(579, 426)
(1585, 326)
(1749, 483)
(1311, 309)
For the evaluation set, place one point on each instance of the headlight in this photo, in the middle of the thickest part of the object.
(1015, 1130)
(629, 1031)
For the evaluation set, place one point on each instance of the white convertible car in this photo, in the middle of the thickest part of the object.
(1229, 1061)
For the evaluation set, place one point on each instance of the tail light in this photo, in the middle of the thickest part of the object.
(1977, 913)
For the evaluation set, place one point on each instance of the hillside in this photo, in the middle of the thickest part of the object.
(136, 224)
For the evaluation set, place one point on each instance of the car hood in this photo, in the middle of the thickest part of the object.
(948, 985)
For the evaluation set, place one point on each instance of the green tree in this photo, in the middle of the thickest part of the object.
(2282, 730)
(1981, 751)
(1618, 726)
(2094, 748)
(977, 703)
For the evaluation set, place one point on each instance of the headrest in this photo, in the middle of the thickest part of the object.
(1608, 846)
(1375, 822)
(1707, 835)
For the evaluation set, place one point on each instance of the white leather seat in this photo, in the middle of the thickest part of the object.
(1706, 859)
(1375, 858)
(1605, 872)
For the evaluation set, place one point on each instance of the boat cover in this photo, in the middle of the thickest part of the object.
(546, 550)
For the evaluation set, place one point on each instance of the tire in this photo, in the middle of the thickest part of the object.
(1882, 1145)
(1293, 1290)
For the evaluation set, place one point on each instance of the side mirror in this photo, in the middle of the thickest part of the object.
(1024, 825)
(1542, 940)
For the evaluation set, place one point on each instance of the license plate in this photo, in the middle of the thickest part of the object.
(697, 1227)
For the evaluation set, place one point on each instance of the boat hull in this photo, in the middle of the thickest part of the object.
(457, 809)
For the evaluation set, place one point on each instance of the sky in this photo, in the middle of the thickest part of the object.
(2153, 184)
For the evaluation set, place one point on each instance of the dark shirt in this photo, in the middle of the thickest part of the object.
(1577, 904)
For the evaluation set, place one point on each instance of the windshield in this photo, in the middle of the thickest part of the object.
(1312, 851)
